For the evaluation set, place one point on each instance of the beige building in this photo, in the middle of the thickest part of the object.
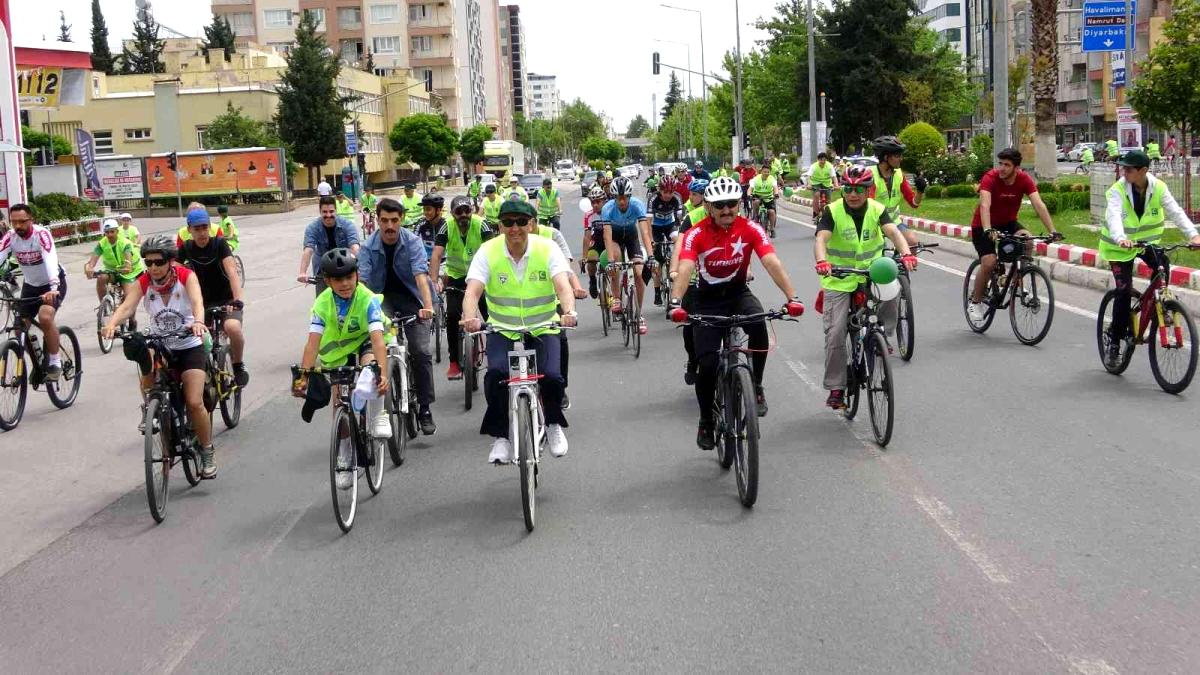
(147, 114)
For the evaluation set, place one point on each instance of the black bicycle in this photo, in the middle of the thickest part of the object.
(735, 406)
(867, 364)
(1016, 284)
(472, 358)
(10, 287)
(401, 401)
(221, 387)
(114, 295)
(16, 378)
(906, 322)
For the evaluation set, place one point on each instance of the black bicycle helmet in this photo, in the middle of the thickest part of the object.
(431, 199)
(887, 145)
(461, 201)
(338, 262)
(162, 244)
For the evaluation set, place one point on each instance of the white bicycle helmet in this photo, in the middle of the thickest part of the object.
(722, 189)
(621, 187)
(596, 193)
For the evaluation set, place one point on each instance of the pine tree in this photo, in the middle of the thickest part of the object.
(102, 58)
(311, 115)
(146, 55)
(638, 127)
(674, 96)
(219, 35)
(64, 30)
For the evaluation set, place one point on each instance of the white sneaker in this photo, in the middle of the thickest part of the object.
(382, 428)
(501, 452)
(976, 312)
(344, 479)
(557, 440)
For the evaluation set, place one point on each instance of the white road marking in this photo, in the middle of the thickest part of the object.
(946, 520)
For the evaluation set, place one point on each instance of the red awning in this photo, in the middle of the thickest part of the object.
(32, 56)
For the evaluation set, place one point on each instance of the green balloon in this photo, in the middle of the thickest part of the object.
(787, 192)
(883, 270)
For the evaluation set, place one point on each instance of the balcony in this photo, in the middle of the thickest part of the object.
(425, 28)
(430, 59)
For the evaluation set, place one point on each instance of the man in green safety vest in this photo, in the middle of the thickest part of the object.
(119, 260)
(526, 278)
(228, 228)
(455, 245)
(850, 234)
(549, 206)
(475, 190)
(821, 180)
(490, 206)
(1138, 206)
(411, 202)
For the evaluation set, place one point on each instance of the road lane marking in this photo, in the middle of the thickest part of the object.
(945, 519)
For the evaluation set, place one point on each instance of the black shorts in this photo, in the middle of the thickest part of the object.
(661, 233)
(29, 310)
(769, 203)
(628, 241)
(192, 358)
(984, 244)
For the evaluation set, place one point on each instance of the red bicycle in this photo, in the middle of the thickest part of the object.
(820, 200)
(368, 224)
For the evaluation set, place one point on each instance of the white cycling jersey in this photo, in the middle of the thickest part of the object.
(34, 253)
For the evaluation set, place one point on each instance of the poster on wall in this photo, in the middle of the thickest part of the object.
(38, 87)
(1129, 130)
(121, 178)
(218, 173)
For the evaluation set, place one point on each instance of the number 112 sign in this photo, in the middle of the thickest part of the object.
(39, 87)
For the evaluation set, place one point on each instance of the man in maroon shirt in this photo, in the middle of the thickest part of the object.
(746, 173)
(1000, 193)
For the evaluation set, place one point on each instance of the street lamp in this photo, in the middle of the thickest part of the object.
(704, 76)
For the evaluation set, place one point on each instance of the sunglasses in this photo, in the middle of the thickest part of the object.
(514, 222)
(156, 262)
(855, 190)
(726, 205)
(463, 212)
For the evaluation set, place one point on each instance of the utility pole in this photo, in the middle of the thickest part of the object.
(812, 88)
(1130, 31)
(1000, 74)
(739, 122)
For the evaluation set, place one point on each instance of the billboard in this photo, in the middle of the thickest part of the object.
(38, 87)
(121, 178)
(1129, 130)
(217, 173)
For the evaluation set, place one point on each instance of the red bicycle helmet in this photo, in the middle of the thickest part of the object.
(668, 184)
(857, 175)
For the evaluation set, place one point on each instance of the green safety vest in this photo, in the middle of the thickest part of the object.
(1152, 150)
(822, 176)
(369, 202)
(787, 167)
(1087, 157)
(1111, 147)
(889, 195)
(763, 188)
(412, 209)
(847, 248)
(342, 338)
(459, 252)
(230, 232)
(113, 257)
(344, 208)
(776, 167)
(130, 234)
(697, 214)
(1148, 228)
(474, 188)
(547, 203)
(514, 302)
(652, 183)
(491, 209)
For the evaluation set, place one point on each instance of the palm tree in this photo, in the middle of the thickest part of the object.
(1044, 84)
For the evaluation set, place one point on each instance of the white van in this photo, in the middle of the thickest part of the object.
(564, 169)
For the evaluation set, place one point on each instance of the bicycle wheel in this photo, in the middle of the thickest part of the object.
(879, 389)
(745, 435)
(398, 443)
(1103, 321)
(241, 270)
(637, 336)
(103, 314)
(376, 448)
(228, 391)
(527, 462)
(905, 321)
(627, 312)
(605, 312)
(157, 456)
(722, 401)
(439, 318)
(1029, 312)
(191, 460)
(63, 392)
(854, 384)
(968, 288)
(14, 385)
(345, 502)
(1173, 348)
(469, 358)
(410, 420)
(7, 310)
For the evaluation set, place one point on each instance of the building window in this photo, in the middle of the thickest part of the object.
(349, 17)
(952, 35)
(200, 131)
(277, 18)
(141, 134)
(386, 45)
(385, 13)
(104, 143)
(95, 86)
(421, 43)
(242, 23)
(418, 12)
(319, 14)
(281, 47)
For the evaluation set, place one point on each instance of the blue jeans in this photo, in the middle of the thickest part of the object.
(495, 385)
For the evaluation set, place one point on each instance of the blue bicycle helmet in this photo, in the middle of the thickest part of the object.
(698, 185)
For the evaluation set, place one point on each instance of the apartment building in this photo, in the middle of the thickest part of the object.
(544, 100)
(948, 19)
(512, 50)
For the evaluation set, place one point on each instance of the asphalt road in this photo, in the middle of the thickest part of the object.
(1032, 514)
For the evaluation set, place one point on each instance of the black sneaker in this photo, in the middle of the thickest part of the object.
(425, 418)
(705, 435)
(566, 401)
(761, 399)
(837, 399)
(240, 375)
(52, 372)
(658, 297)
(593, 290)
(689, 373)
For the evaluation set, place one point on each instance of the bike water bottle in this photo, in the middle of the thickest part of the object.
(207, 342)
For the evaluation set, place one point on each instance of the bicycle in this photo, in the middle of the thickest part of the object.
(221, 387)
(735, 406)
(1083, 169)
(401, 402)
(666, 249)
(14, 380)
(630, 316)
(472, 357)
(168, 438)
(906, 325)
(368, 222)
(867, 364)
(820, 199)
(763, 217)
(1157, 310)
(604, 298)
(114, 295)
(10, 288)
(436, 324)
(1017, 284)
(526, 418)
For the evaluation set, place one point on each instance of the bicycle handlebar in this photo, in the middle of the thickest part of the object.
(404, 320)
(1165, 249)
(1004, 236)
(488, 329)
(734, 320)
(915, 250)
(155, 337)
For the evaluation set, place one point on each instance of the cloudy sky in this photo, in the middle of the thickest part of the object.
(600, 51)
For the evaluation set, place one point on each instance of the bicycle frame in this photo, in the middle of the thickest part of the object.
(522, 383)
(397, 354)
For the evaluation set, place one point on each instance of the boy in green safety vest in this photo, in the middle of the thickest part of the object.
(228, 228)
(369, 200)
(347, 323)
(851, 234)
(455, 245)
(118, 257)
(490, 206)
(1138, 207)
(411, 202)
(526, 278)
(1153, 152)
(549, 206)
(1087, 157)
(345, 207)
(764, 188)
(129, 232)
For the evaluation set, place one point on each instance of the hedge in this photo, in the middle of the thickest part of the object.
(960, 190)
(935, 192)
(1046, 188)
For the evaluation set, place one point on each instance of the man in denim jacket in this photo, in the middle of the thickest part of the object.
(325, 234)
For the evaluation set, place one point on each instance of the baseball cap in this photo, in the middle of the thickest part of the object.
(110, 224)
(1134, 158)
(125, 216)
(197, 217)
(317, 396)
(516, 207)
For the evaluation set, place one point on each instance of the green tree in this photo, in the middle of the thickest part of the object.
(578, 122)
(311, 114)
(232, 129)
(544, 140)
(937, 68)
(424, 138)
(638, 127)
(922, 143)
(146, 56)
(602, 150)
(64, 30)
(674, 96)
(470, 146)
(219, 35)
(1165, 92)
(102, 58)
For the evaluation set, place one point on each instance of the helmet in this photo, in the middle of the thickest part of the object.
(722, 189)
(596, 193)
(436, 201)
(161, 244)
(887, 145)
(111, 224)
(125, 216)
(489, 188)
(338, 262)
(698, 186)
(621, 187)
(459, 202)
(668, 184)
(662, 170)
(699, 164)
(857, 175)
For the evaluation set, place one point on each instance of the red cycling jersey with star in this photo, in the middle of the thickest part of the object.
(723, 256)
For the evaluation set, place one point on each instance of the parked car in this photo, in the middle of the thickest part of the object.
(589, 179)
(1075, 154)
(631, 172)
(486, 179)
(532, 182)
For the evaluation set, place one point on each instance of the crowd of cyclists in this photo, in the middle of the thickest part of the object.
(500, 258)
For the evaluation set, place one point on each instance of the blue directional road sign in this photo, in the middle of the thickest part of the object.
(351, 143)
(1104, 25)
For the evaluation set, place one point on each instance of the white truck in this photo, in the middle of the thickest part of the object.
(501, 158)
(564, 169)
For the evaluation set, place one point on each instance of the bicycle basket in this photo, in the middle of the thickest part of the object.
(1008, 250)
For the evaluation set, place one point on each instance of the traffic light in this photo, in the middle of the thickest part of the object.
(656, 63)
(173, 161)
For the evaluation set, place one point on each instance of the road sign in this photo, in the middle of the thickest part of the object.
(1104, 25)
(1117, 63)
(351, 144)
